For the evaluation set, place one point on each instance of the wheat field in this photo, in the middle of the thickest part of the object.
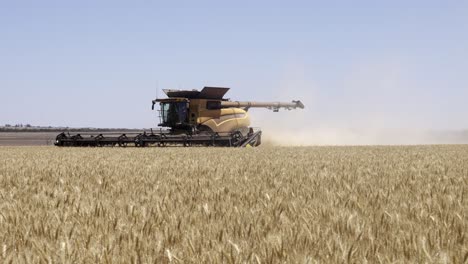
(217, 205)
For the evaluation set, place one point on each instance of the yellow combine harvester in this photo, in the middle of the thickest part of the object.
(191, 117)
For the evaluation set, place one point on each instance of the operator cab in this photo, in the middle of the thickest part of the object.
(174, 113)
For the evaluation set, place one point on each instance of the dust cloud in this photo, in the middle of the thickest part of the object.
(338, 137)
(375, 104)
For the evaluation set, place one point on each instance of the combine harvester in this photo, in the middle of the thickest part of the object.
(191, 118)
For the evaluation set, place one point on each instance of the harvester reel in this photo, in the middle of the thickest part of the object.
(237, 138)
(139, 140)
(122, 140)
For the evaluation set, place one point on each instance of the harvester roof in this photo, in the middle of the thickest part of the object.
(206, 93)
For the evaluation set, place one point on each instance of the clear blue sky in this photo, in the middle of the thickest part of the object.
(98, 63)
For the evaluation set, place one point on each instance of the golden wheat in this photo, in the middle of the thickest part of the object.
(212, 205)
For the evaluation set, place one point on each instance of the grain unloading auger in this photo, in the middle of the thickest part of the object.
(190, 118)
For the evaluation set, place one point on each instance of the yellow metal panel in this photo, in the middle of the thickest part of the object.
(224, 120)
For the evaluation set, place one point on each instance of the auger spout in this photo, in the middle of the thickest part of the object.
(275, 106)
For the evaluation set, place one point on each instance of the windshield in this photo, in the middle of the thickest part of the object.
(173, 113)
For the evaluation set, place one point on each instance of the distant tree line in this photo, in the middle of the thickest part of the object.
(18, 125)
(31, 128)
